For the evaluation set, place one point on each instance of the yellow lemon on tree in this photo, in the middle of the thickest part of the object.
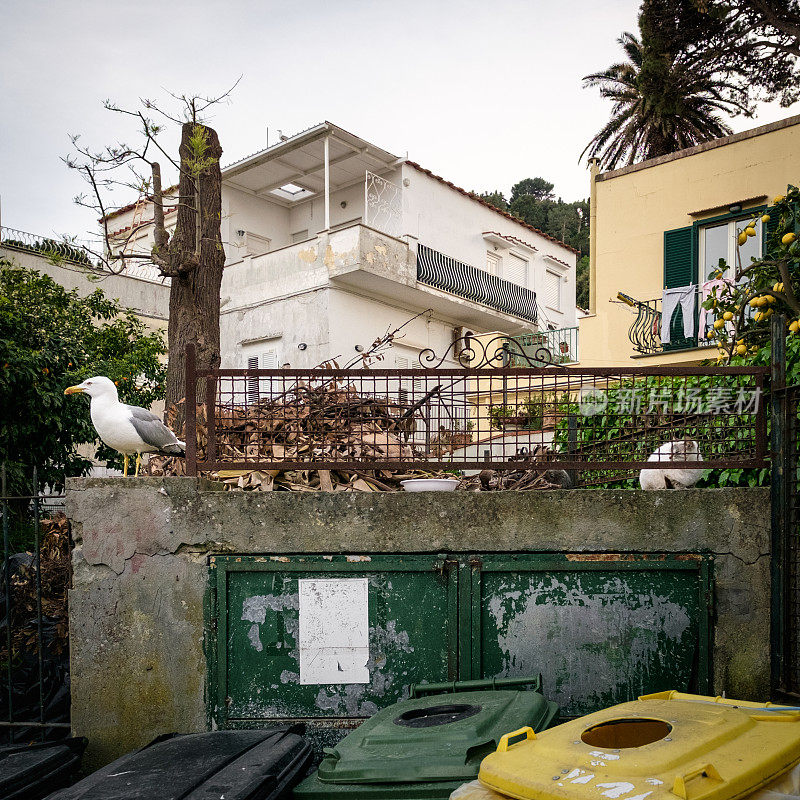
(788, 238)
(742, 238)
(728, 315)
(741, 349)
(765, 218)
(710, 334)
(719, 323)
(750, 231)
(758, 316)
(794, 326)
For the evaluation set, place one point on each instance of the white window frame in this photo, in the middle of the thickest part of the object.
(497, 269)
(559, 276)
(255, 356)
(253, 244)
(734, 227)
(527, 261)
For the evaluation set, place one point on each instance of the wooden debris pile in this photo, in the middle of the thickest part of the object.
(54, 556)
(327, 421)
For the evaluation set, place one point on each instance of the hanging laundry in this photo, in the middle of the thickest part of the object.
(685, 297)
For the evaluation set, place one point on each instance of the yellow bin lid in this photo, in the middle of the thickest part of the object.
(660, 746)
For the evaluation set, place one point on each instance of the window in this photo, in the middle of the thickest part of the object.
(552, 290)
(263, 355)
(516, 270)
(719, 241)
(408, 388)
(492, 264)
(252, 243)
(300, 236)
(693, 252)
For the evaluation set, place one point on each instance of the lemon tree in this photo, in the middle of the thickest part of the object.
(766, 286)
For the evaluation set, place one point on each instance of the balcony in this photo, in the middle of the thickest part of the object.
(561, 344)
(645, 331)
(442, 272)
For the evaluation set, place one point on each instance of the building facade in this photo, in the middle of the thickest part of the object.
(331, 242)
(659, 227)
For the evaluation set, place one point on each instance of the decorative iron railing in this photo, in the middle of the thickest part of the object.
(73, 252)
(442, 272)
(645, 330)
(382, 204)
(561, 344)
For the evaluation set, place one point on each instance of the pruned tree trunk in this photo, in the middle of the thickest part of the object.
(196, 257)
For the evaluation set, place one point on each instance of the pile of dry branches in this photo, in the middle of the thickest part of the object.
(327, 421)
(55, 575)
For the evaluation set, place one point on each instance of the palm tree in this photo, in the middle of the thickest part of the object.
(663, 102)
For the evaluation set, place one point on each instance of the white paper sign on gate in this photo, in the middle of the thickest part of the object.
(334, 630)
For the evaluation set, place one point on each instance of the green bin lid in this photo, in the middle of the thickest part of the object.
(312, 788)
(436, 738)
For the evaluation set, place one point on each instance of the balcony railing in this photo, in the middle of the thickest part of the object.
(442, 272)
(645, 331)
(73, 252)
(562, 344)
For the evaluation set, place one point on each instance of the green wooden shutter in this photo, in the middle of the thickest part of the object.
(680, 257)
(680, 269)
(768, 229)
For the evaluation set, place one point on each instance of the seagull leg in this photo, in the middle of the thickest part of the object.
(125, 468)
(138, 459)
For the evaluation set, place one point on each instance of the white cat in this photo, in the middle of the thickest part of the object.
(680, 450)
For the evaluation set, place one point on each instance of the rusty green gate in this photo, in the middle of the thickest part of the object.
(601, 628)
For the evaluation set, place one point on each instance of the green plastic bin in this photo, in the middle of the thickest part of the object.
(429, 745)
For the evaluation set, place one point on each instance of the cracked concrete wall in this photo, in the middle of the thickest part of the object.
(140, 572)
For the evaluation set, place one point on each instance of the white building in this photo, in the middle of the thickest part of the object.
(331, 241)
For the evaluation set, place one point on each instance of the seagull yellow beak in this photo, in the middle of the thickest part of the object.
(73, 390)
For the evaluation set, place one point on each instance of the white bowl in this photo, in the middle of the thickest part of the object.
(429, 484)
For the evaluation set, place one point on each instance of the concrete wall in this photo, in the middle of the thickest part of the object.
(150, 300)
(141, 570)
(339, 290)
(635, 205)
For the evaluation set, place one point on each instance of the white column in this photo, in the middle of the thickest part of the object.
(327, 184)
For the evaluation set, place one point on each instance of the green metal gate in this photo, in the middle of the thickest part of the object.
(600, 628)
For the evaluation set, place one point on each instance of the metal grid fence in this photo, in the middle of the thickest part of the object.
(502, 419)
(34, 657)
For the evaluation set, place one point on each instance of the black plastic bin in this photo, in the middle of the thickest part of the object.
(31, 772)
(236, 765)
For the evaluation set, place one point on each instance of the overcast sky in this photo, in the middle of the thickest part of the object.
(483, 93)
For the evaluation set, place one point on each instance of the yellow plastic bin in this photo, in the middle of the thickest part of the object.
(664, 745)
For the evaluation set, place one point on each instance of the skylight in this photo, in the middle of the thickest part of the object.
(293, 192)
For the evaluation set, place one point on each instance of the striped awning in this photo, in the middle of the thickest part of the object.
(445, 273)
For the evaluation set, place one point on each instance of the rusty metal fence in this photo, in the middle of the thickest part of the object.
(34, 649)
(466, 419)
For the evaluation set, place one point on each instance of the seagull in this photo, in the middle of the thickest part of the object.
(126, 429)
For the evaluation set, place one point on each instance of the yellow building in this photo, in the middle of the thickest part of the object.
(663, 224)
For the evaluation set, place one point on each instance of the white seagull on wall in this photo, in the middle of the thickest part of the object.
(126, 429)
